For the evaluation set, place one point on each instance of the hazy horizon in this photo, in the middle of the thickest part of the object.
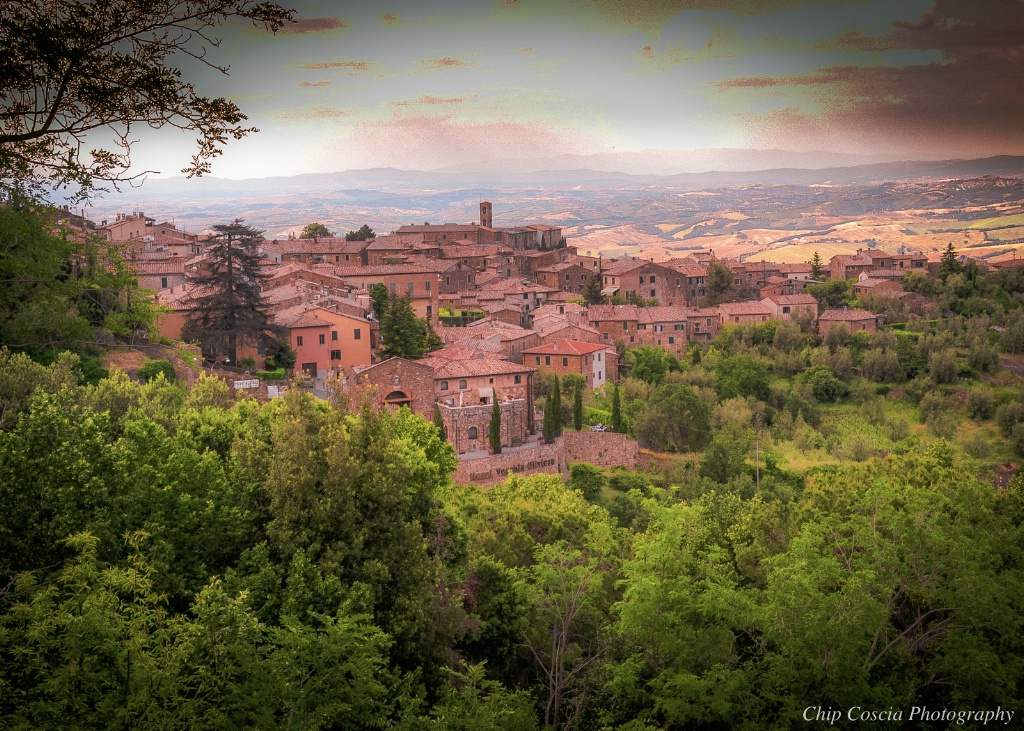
(468, 83)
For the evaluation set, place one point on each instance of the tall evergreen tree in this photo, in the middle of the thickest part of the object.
(439, 422)
(592, 291)
(494, 428)
(549, 428)
(949, 264)
(402, 332)
(556, 403)
(577, 409)
(616, 409)
(230, 309)
(817, 268)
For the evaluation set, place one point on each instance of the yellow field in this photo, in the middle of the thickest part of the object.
(1011, 220)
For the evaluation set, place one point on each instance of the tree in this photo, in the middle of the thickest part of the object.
(229, 305)
(674, 419)
(577, 409)
(556, 401)
(315, 231)
(379, 297)
(364, 233)
(616, 409)
(402, 332)
(494, 428)
(648, 363)
(949, 264)
(592, 291)
(72, 69)
(439, 422)
(741, 375)
(549, 427)
(817, 268)
(719, 280)
(833, 294)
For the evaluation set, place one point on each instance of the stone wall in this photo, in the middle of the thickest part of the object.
(605, 449)
(547, 458)
(458, 420)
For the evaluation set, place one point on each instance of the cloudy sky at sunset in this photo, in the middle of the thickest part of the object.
(426, 85)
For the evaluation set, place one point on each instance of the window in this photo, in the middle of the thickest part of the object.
(447, 280)
(430, 311)
(625, 326)
(337, 258)
(538, 360)
(335, 355)
(671, 340)
(444, 385)
(652, 293)
(426, 285)
(462, 384)
(394, 288)
(334, 334)
(490, 380)
(641, 279)
(473, 432)
(547, 360)
(565, 361)
(599, 375)
(651, 279)
(785, 310)
(163, 282)
(567, 277)
(599, 357)
(605, 336)
(517, 380)
(323, 339)
(298, 341)
(526, 295)
(357, 334)
(678, 326)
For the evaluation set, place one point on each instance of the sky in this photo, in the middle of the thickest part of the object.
(427, 85)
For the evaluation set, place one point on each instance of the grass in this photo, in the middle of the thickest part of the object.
(1015, 219)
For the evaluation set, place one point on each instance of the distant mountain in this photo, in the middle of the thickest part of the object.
(674, 162)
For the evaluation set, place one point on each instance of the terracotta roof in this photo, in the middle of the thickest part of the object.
(296, 317)
(478, 364)
(166, 266)
(792, 299)
(846, 315)
(663, 313)
(870, 283)
(613, 313)
(442, 227)
(743, 308)
(374, 270)
(564, 347)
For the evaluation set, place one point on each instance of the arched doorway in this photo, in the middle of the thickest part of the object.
(397, 399)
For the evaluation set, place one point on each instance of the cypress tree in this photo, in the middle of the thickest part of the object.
(556, 407)
(577, 409)
(616, 409)
(402, 332)
(549, 418)
(494, 428)
(439, 422)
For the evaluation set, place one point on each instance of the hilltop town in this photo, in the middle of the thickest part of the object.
(510, 305)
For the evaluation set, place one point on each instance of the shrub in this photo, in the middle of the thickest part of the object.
(588, 479)
(977, 444)
(825, 387)
(980, 405)
(154, 368)
(1009, 415)
(882, 366)
(932, 404)
(278, 375)
(942, 365)
(1017, 439)
(983, 356)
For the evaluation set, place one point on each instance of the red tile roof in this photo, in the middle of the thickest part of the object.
(565, 347)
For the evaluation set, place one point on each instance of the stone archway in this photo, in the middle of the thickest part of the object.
(398, 399)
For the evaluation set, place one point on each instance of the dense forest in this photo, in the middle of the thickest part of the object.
(822, 523)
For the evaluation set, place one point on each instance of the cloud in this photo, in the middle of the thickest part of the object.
(314, 83)
(430, 99)
(446, 62)
(314, 25)
(428, 142)
(352, 66)
(314, 113)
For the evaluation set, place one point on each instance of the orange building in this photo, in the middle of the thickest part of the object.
(571, 356)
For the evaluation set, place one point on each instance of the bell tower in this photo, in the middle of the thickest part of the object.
(485, 214)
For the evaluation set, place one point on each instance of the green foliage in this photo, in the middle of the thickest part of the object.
(276, 375)
(674, 419)
(817, 268)
(741, 375)
(588, 479)
(154, 368)
(719, 281)
(980, 405)
(58, 293)
(281, 356)
(577, 409)
(616, 409)
(363, 233)
(825, 386)
(833, 294)
(942, 365)
(494, 427)
(592, 291)
(401, 331)
(315, 231)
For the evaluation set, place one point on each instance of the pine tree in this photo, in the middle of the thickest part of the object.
(494, 428)
(231, 311)
(817, 268)
(592, 292)
(401, 331)
(948, 264)
(616, 409)
(577, 409)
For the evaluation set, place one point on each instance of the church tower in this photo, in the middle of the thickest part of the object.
(485, 214)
